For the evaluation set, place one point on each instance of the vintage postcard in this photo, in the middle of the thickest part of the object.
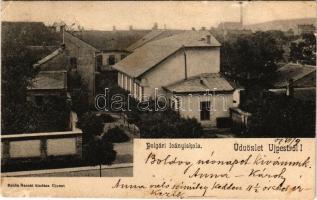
(158, 99)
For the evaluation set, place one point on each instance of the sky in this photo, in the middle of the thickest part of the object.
(142, 15)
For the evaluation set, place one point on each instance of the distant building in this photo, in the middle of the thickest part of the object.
(177, 67)
(306, 29)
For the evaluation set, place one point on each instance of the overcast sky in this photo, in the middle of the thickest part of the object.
(179, 15)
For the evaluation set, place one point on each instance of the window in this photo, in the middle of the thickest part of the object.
(137, 91)
(128, 83)
(175, 103)
(122, 76)
(131, 86)
(205, 110)
(73, 62)
(112, 60)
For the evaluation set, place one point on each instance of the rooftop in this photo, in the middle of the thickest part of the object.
(49, 57)
(49, 80)
(292, 71)
(152, 53)
(110, 40)
(202, 83)
(153, 35)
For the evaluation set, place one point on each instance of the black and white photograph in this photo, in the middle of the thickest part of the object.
(80, 81)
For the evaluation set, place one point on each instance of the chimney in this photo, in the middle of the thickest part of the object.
(114, 28)
(62, 28)
(193, 29)
(208, 39)
(290, 88)
(201, 80)
(131, 28)
(203, 28)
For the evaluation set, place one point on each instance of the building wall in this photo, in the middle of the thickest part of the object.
(220, 104)
(199, 61)
(85, 55)
(204, 60)
(117, 54)
(41, 146)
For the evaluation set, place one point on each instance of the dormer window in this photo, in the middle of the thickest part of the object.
(111, 60)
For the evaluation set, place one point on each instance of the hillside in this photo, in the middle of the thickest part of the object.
(282, 25)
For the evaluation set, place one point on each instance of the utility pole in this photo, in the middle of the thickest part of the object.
(185, 61)
(241, 12)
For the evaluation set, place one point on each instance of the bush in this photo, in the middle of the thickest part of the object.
(107, 118)
(90, 124)
(100, 152)
(115, 135)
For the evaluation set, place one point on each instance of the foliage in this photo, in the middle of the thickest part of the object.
(115, 135)
(282, 116)
(251, 57)
(99, 151)
(168, 124)
(91, 125)
(106, 80)
(107, 118)
(304, 50)
(17, 71)
(53, 115)
(79, 93)
(156, 124)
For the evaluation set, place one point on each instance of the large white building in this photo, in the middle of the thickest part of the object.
(185, 69)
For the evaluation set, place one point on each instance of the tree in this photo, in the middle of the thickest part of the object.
(303, 50)
(115, 135)
(17, 72)
(100, 152)
(251, 59)
(79, 92)
(96, 150)
(282, 116)
(91, 125)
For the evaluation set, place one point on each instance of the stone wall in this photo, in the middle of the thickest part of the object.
(41, 146)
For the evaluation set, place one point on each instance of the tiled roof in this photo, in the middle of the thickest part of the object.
(49, 80)
(292, 71)
(153, 35)
(110, 40)
(202, 83)
(152, 53)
